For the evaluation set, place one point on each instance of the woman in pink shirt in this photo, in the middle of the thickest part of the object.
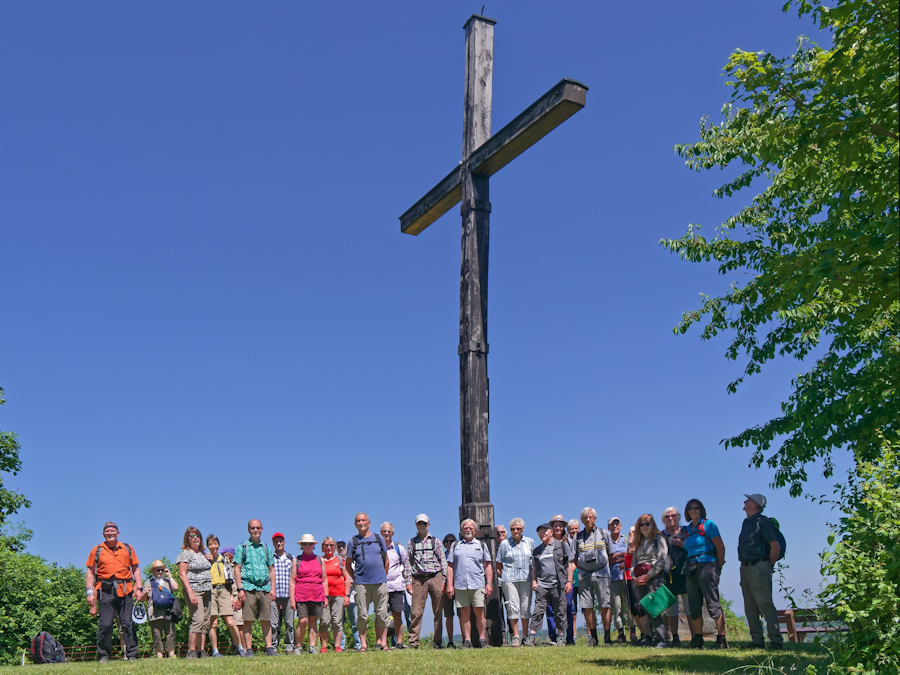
(309, 586)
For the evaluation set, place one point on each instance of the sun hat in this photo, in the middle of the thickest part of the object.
(422, 518)
(157, 564)
(559, 518)
(307, 539)
(227, 549)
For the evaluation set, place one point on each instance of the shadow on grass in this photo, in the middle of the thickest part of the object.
(794, 659)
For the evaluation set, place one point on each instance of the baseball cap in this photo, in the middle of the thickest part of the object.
(758, 498)
(422, 518)
(612, 520)
(276, 535)
(542, 526)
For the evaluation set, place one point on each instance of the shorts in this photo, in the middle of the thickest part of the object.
(469, 598)
(199, 613)
(592, 590)
(673, 610)
(238, 613)
(309, 609)
(220, 605)
(396, 601)
(448, 606)
(517, 598)
(257, 606)
(377, 594)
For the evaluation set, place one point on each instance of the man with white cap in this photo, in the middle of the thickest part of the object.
(759, 549)
(427, 568)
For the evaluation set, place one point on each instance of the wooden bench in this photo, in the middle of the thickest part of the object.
(801, 622)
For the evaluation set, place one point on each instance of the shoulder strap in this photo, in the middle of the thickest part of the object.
(434, 543)
(353, 546)
(380, 541)
(289, 556)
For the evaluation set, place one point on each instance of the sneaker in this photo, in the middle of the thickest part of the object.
(607, 640)
(592, 641)
(338, 650)
(217, 655)
(323, 649)
(560, 642)
(104, 659)
(659, 644)
(450, 645)
(237, 651)
(248, 654)
(400, 646)
(202, 654)
(482, 643)
(529, 641)
(271, 651)
(775, 646)
(192, 654)
(676, 641)
(634, 638)
(516, 641)
(622, 639)
(696, 642)
(434, 645)
(721, 642)
(467, 644)
(298, 651)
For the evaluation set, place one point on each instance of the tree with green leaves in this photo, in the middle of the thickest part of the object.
(10, 502)
(817, 133)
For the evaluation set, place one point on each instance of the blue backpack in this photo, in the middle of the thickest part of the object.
(161, 595)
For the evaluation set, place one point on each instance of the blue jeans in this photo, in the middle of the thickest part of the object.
(350, 612)
(571, 599)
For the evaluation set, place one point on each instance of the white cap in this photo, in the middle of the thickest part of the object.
(422, 518)
(758, 498)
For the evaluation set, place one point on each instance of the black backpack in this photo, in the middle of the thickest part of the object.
(45, 649)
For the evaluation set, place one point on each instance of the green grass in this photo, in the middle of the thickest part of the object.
(505, 661)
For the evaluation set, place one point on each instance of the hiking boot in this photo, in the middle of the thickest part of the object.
(622, 639)
(658, 644)
(450, 645)
(696, 642)
(271, 651)
(676, 641)
(237, 651)
(298, 651)
(202, 654)
(775, 646)
(592, 641)
(104, 659)
(434, 645)
(482, 643)
(516, 641)
(192, 654)
(721, 642)
(634, 638)
(467, 644)
(607, 640)
(248, 654)
(751, 645)
(529, 641)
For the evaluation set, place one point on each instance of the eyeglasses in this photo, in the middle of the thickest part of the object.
(645, 524)
(386, 532)
(256, 528)
(693, 508)
(517, 529)
(672, 515)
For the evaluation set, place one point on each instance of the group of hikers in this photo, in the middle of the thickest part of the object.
(510, 580)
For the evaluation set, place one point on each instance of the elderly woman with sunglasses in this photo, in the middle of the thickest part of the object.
(675, 580)
(309, 592)
(705, 558)
(196, 584)
(514, 561)
(337, 597)
(648, 570)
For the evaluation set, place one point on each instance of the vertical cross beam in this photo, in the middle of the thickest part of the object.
(473, 280)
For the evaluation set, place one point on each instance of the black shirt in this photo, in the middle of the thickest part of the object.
(756, 533)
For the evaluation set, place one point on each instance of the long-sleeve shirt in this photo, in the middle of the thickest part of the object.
(398, 566)
(651, 552)
(426, 556)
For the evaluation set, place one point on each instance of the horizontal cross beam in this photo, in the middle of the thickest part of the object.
(538, 120)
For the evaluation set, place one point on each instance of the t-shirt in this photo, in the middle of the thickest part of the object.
(547, 574)
(698, 546)
(620, 546)
(197, 569)
(334, 568)
(368, 565)
(396, 575)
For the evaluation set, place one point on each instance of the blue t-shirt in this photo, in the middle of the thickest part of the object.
(698, 546)
(368, 565)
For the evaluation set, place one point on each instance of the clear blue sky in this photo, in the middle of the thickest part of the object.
(209, 312)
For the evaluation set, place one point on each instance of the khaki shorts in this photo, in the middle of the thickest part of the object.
(309, 609)
(593, 591)
(472, 598)
(199, 613)
(333, 614)
(257, 606)
(221, 602)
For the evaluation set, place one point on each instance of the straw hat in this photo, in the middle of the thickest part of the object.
(307, 539)
(157, 564)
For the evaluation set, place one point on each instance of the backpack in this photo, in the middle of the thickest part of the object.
(355, 543)
(160, 594)
(778, 535)
(115, 581)
(45, 649)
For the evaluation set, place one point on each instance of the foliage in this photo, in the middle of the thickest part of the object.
(36, 595)
(864, 567)
(821, 239)
(10, 502)
(735, 626)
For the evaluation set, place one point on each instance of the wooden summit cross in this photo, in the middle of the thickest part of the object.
(482, 156)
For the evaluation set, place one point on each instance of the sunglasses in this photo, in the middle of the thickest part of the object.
(517, 529)
(645, 524)
(193, 536)
(693, 508)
